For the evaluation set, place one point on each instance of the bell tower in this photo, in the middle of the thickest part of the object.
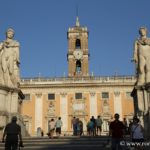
(78, 53)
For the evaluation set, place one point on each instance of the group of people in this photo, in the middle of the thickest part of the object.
(94, 126)
(77, 126)
(55, 125)
(117, 130)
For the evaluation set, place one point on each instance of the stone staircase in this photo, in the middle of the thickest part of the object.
(64, 143)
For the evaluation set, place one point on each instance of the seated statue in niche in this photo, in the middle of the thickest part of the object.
(9, 60)
(142, 57)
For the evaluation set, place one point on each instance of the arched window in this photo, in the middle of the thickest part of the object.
(78, 44)
(78, 66)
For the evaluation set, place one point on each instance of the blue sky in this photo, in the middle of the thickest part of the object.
(41, 28)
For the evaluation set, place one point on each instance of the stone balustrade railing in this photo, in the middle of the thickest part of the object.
(99, 79)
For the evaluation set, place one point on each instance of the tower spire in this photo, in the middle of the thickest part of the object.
(77, 18)
(77, 21)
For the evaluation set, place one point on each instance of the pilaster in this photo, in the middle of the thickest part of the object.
(64, 110)
(38, 111)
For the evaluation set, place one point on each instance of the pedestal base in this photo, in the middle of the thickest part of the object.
(141, 96)
(8, 104)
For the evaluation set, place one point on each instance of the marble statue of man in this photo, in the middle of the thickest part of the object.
(10, 59)
(142, 57)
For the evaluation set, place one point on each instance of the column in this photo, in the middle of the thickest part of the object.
(64, 110)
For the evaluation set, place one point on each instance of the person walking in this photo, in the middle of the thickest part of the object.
(116, 130)
(94, 125)
(81, 127)
(58, 126)
(12, 131)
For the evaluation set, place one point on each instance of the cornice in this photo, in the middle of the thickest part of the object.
(72, 85)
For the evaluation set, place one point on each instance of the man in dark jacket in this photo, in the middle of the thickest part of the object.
(116, 130)
(12, 131)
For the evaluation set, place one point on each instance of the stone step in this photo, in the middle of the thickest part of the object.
(66, 143)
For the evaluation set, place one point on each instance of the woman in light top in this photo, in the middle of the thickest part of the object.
(137, 133)
(51, 128)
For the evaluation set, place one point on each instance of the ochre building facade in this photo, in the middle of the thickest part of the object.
(80, 94)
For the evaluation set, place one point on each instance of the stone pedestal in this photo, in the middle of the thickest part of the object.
(9, 104)
(141, 96)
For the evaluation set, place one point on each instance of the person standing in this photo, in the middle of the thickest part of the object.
(99, 123)
(58, 126)
(81, 127)
(51, 128)
(12, 131)
(125, 125)
(94, 125)
(130, 125)
(116, 130)
(74, 125)
(137, 131)
(90, 127)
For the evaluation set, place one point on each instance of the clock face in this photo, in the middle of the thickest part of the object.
(78, 54)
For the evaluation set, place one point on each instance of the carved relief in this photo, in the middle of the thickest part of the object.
(106, 106)
(78, 107)
(51, 108)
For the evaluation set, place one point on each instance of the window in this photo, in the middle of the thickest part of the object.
(51, 96)
(27, 96)
(105, 95)
(78, 96)
(78, 44)
(78, 66)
